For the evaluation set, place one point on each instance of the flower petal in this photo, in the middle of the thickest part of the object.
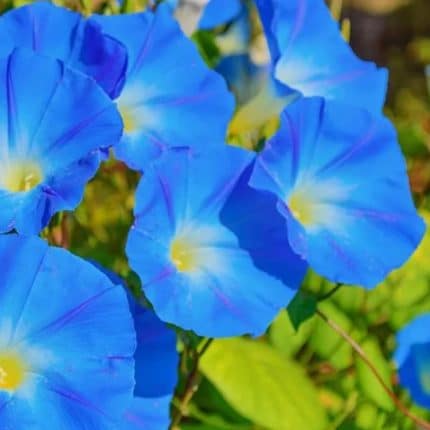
(310, 55)
(55, 310)
(156, 349)
(211, 252)
(69, 37)
(169, 90)
(342, 185)
(53, 122)
(413, 359)
(151, 413)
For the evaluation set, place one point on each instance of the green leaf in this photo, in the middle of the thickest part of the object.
(367, 381)
(367, 416)
(207, 46)
(209, 399)
(301, 308)
(262, 386)
(285, 338)
(327, 343)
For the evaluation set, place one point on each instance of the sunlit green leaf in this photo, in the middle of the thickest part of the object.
(263, 386)
(285, 338)
(367, 381)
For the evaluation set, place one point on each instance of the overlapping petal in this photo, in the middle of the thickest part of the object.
(53, 121)
(342, 186)
(212, 253)
(170, 98)
(147, 414)
(156, 372)
(413, 359)
(54, 308)
(156, 368)
(65, 35)
(310, 56)
(156, 348)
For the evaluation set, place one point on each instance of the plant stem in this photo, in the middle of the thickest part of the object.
(191, 387)
(357, 348)
(330, 293)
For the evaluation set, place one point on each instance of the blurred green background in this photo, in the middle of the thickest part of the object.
(310, 379)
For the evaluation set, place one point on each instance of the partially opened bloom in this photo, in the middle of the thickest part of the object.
(413, 359)
(67, 36)
(170, 98)
(53, 121)
(212, 253)
(343, 189)
(66, 341)
(310, 56)
(156, 373)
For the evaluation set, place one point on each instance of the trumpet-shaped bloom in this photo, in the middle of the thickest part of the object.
(55, 364)
(57, 32)
(53, 121)
(156, 373)
(342, 186)
(212, 253)
(170, 98)
(413, 359)
(311, 57)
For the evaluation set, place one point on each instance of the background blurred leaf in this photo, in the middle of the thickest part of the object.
(263, 386)
(368, 383)
(327, 343)
(285, 338)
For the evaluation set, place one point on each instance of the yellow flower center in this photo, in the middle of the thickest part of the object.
(12, 371)
(128, 119)
(22, 176)
(183, 255)
(302, 208)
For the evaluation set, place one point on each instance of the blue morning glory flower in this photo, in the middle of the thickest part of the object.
(156, 367)
(55, 366)
(413, 359)
(69, 37)
(147, 413)
(156, 373)
(170, 98)
(343, 188)
(212, 253)
(53, 121)
(311, 57)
